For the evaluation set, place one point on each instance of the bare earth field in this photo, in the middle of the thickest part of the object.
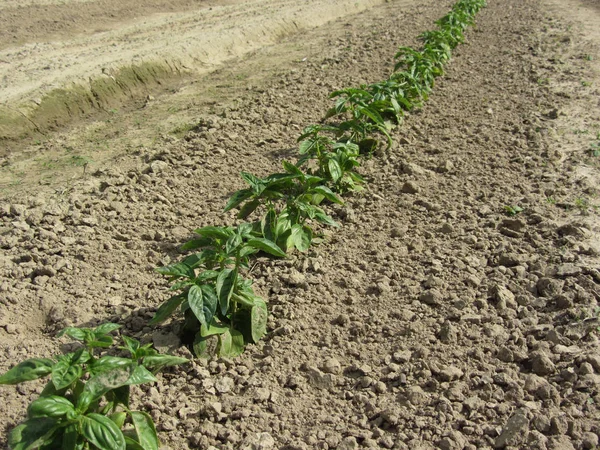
(430, 319)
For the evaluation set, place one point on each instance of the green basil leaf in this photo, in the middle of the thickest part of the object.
(102, 341)
(300, 237)
(324, 218)
(231, 344)
(141, 375)
(145, 430)
(248, 209)
(207, 275)
(214, 328)
(78, 334)
(132, 444)
(120, 395)
(106, 328)
(233, 243)
(237, 198)
(106, 363)
(195, 243)
(30, 369)
(118, 418)
(259, 316)
(177, 270)
(71, 438)
(214, 232)
(224, 288)
(328, 194)
(130, 344)
(32, 433)
(157, 362)
(66, 371)
(167, 308)
(102, 432)
(334, 170)
(100, 384)
(267, 225)
(210, 302)
(194, 299)
(51, 406)
(255, 183)
(267, 246)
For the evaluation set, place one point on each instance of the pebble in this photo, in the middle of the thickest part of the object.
(549, 287)
(514, 432)
(589, 440)
(410, 187)
(224, 385)
(332, 366)
(503, 297)
(541, 364)
(432, 297)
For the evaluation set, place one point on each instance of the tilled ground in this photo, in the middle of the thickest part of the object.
(430, 319)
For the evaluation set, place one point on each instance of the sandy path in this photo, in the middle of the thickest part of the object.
(197, 40)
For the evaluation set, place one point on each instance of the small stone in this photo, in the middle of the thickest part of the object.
(342, 320)
(402, 356)
(11, 329)
(261, 395)
(348, 443)
(510, 259)
(157, 166)
(541, 364)
(541, 423)
(448, 333)
(585, 368)
(410, 188)
(594, 360)
(432, 297)
(17, 210)
(505, 354)
(399, 232)
(568, 270)
(415, 395)
(296, 278)
(169, 424)
(380, 387)
(589, 440)
(516, 225)
(559, 425)
(224, 385)
(563, 302)
(259, 441)
(503, 297)
(549, 287)
(447, 228)
(332, 366)
(514, 432)
(450, 373)
(445, 167)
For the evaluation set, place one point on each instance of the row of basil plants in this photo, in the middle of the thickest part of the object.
(213, 292)
(85, 404)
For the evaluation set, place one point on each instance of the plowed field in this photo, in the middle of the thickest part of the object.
(457, 306)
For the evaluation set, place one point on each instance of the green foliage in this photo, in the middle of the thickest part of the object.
(512, 210)
(218, 304)
(85, 404)
(216, 301)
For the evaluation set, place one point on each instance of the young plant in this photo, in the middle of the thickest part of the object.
(214, 298)
(85, 405)
(290, 200)
(336, 161)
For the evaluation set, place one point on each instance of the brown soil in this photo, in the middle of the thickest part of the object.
(118, 51)
(430, 319)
